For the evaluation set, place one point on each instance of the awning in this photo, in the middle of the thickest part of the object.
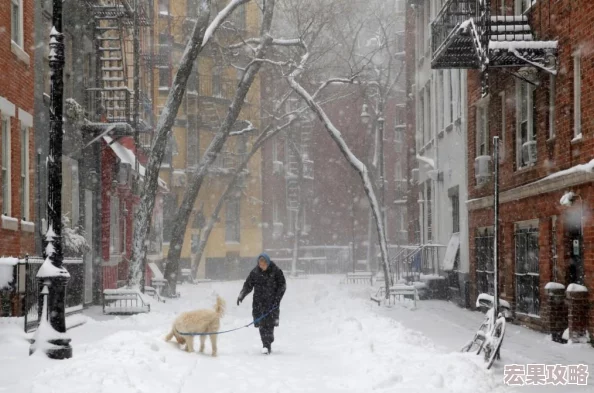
(127, 156)
(451, 251)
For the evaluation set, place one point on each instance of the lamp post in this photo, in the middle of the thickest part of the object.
(52, 276)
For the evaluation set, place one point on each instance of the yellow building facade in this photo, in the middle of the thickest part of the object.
(236, 239)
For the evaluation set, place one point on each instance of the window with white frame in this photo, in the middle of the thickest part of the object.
(427, 114)
(75, 194)
(525, 127)
(577, 95)
(527, 272)
(16, 16)
(552, 93)
(114, 226)
(449, 101)
(524, 5)
(440, 101)
(6, 171)
(25, 173)
(275, 217)
(482, 128)
(421, 120)
(232, 221)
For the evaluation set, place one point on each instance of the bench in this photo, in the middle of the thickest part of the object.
(400, 290)
(359, 278)
(123, 301)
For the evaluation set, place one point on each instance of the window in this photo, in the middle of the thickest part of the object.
(25, 173)
(232, 221)
(6, 171)
(526, 133)
(217, 88)
(192, 8)
(524, 5)
(164, 7)
(527, 270)
(449, 101)
(421, 120)
(193, 141)
(483, 243)
(275, 217)
(239, 17)
(455, 201)
(503, 126)
(169, 212)
(577, 95)
(274, 149)
(552, 93)
(401, 219)
(482, 130)
(16, 16)
(428, 117)
(75, 194)
(428, 203)
(163, 63)
(439, 107)
(114, 225)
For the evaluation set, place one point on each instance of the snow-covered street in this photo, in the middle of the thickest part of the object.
(331, 339)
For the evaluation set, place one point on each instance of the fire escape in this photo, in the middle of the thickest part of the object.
(112, 97)
(466, 35)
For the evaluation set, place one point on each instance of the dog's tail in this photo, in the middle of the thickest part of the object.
(220, 306)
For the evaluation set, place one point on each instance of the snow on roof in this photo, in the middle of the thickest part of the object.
(588, 167)
(127, 156)
(509, 45)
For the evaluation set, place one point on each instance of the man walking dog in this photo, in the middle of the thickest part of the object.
(269, 285)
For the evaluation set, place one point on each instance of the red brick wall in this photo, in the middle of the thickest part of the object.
(570, 23)
(16, 85)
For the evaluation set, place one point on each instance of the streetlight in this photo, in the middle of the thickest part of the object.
(568, 200)
(52, 276)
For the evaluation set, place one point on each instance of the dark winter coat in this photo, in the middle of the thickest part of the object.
(269, 287)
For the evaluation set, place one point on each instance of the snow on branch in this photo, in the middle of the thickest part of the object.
(220, 18)
(250, 127)
(275, 41)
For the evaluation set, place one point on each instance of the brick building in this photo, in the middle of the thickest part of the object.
(533, 94)
(16, 124)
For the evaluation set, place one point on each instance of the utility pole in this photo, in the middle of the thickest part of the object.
(52, 276)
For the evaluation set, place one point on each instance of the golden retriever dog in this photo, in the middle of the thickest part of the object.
(198, 321)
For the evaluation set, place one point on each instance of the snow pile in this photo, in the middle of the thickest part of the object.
(7, 271)
(576, 288)
(587, 167)
(491, 299)
(554, 285)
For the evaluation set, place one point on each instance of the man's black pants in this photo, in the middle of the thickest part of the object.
(267, 333)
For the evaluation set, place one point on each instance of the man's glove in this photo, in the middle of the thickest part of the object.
(238, 301)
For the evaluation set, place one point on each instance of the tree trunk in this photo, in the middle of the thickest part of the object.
(357, 165)
(183, 213)
(163, 130)
(293, 147)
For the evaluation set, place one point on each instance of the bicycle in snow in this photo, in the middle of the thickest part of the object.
(489, 337)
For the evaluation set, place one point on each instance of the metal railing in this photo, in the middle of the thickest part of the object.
(452, 15)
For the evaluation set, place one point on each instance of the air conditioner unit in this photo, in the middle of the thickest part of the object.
(482, 169)
(529, 152)
(277, 167)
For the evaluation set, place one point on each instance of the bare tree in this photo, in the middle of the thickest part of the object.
(200, 35)
(216, 145)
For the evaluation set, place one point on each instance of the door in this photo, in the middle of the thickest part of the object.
(88, 257)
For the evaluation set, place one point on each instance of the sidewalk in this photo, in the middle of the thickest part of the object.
(450, 327)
